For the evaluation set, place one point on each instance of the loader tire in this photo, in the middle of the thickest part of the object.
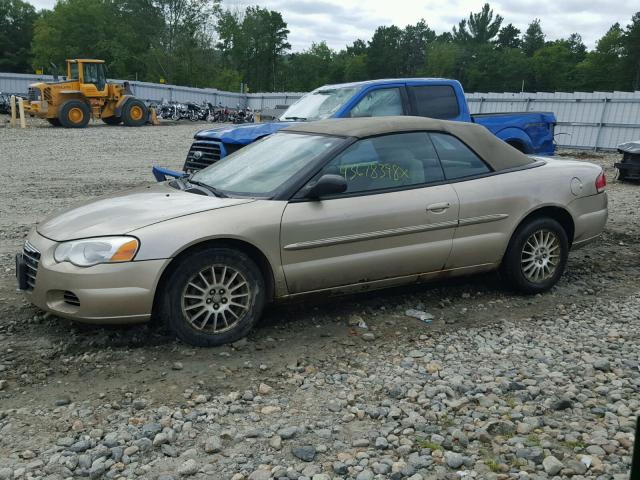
(134, 113)
(74, 114)
(112, 120)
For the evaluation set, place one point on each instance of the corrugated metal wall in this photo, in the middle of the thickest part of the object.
(589, 120)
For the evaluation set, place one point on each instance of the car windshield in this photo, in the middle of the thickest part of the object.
(319, 104)
(262, 168)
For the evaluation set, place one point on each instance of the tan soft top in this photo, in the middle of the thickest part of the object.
(494, 151)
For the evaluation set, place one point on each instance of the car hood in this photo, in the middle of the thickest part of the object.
(122, 212)
(242, 134)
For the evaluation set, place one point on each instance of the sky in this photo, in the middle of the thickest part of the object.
(340, 22)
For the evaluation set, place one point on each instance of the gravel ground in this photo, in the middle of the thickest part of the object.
(498, 386)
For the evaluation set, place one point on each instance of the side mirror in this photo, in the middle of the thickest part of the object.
(327, 184)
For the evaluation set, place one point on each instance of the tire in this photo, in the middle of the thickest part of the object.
(195, 315)
(74, 114)
(112, 120)
(54, 121)
(134, 113)
(536, 256)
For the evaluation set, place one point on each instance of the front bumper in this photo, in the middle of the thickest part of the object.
(107, 293)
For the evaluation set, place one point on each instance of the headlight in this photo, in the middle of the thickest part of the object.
(92, 251)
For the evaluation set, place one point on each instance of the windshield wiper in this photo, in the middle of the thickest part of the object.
(213, 190)
(295, 118)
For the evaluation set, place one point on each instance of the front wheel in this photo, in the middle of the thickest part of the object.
(213, 297)
(134, 113)
(536, 256)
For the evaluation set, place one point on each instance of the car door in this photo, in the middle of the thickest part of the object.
(396, 219)
(488, 203)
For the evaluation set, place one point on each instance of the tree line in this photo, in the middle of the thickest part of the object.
(198, 43)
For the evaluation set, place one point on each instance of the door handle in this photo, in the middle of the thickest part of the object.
(438, 207)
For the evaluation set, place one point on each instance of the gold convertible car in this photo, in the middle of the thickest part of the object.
(326, 207)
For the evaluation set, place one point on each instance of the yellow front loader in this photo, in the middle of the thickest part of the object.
(85, 94)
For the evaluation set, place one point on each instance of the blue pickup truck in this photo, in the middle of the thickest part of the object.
(529, 132)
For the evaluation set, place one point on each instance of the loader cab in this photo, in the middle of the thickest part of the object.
(91, 76)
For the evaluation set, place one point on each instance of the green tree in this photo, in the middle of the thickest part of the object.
(533, 39)
(479, 28)
(632, 54)
(16, 30)
(384, 57)
(413, 45)
(603, 69)
(508, 37)
(254, 43)
(115, 35)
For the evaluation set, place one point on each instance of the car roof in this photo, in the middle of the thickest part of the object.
(388, 81)
(498, 154)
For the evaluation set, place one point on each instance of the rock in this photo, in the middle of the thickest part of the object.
(190, 467)
(6, 473)
(365, 475)
(535, 454)
(287, 432)
(270, 409)
(275, 442)
(159, 439)
(340, 468)
(306, 453)
(368, 337)
(381, 443)
(552, 465)
(453, 459)
(360, 442)
(177, 366)
(139, 403)
(264, 389)
(261, 474)
(27, 454)
(62, 401)
(213, 445)
(601, 364)
(562, 404)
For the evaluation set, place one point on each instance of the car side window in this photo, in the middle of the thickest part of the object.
(458, 160)
(390, 161)
(435, 101)
(379, 103)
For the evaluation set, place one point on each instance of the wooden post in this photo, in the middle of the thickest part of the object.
(21, 110)
(12, 122)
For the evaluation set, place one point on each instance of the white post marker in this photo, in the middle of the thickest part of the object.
(21, 110)
(12, 122)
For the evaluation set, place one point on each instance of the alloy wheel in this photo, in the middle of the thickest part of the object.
(540, 256)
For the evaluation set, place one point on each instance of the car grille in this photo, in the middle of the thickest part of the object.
(33, 94)
(31, 259)
(209, 153)
(71, 298)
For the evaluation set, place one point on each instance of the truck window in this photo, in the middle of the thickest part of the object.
(74, 72)
(435, 101)
(379, 103)
(458, 161)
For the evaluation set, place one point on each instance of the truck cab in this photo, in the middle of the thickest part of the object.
(529, 132)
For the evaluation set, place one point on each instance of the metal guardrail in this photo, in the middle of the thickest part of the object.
(586, 120)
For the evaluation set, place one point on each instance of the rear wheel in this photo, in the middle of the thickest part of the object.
(112, 120)
(536, 256)
(54, 121)
(134, 113)
(213, 297)
(74, 114)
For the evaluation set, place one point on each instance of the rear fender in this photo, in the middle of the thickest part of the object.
(516, 137)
